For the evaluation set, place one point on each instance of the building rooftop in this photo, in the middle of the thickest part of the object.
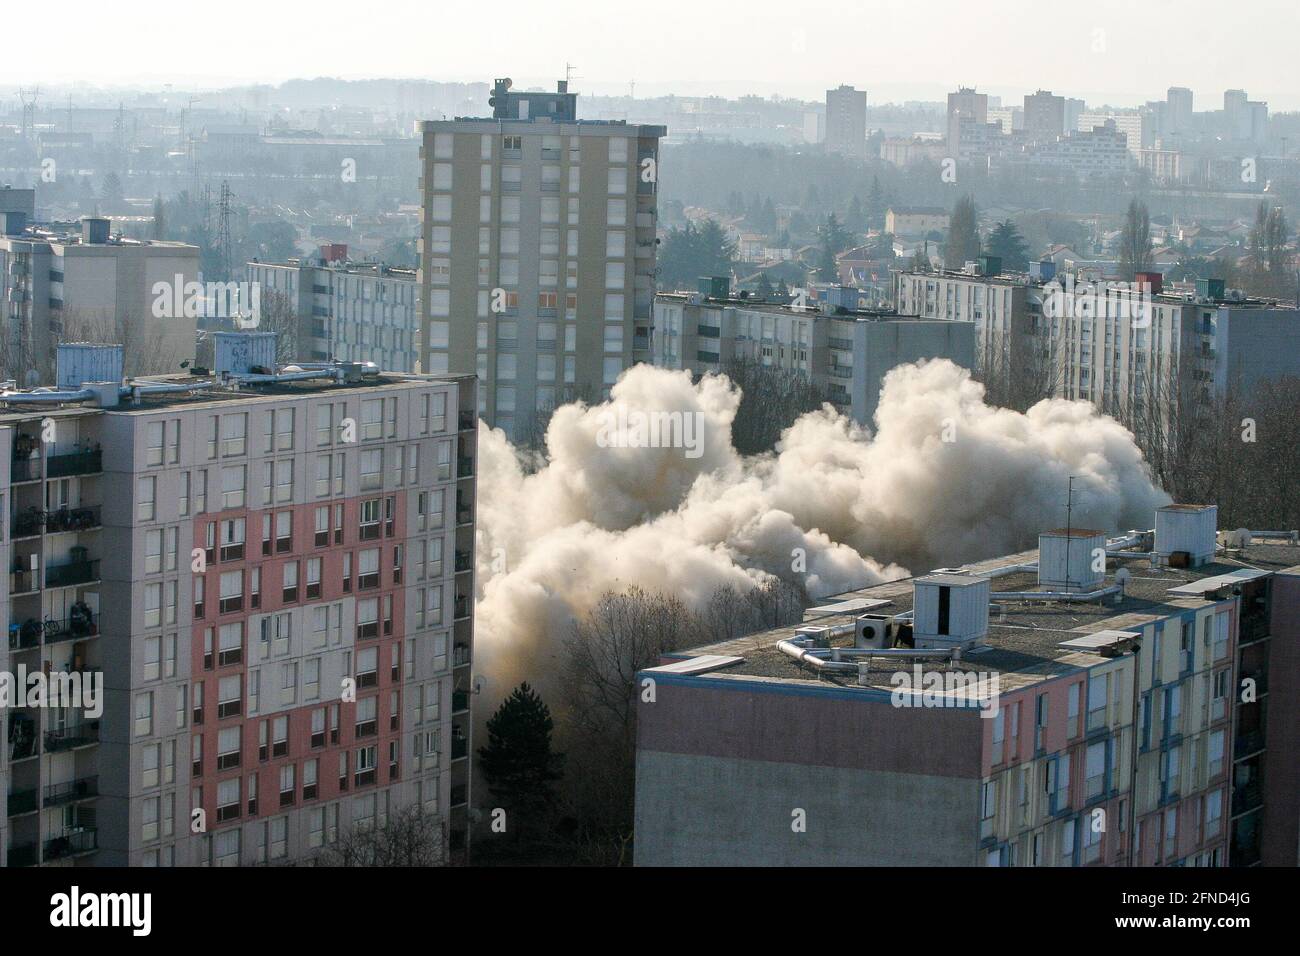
(1025, 639)
(15, 412)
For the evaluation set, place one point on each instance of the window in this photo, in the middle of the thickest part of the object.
(228, 748)
(146, 497)
(368, 569)
(232, 591)
(154, 443)
(233, 431)
(232, 644)
(366, 719)
(232, 539)
(233, 479)
(144, 714)
(228, 801)
(313, 577)
(287, 785)
(290, 582)
(280, 737)
(229, 696)
(283, 531)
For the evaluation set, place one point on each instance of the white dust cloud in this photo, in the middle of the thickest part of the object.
(945, 479)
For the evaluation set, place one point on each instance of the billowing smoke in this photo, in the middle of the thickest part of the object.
(945, 479)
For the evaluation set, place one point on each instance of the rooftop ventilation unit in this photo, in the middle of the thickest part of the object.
(1186, 535)
(94, 230)
(243, 353)
(77, 363)
(1068, 559)
(949, 610)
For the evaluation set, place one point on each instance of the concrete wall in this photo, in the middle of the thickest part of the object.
(723, 764)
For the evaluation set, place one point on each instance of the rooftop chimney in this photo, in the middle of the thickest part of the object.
(94, 230)
(1186, 535)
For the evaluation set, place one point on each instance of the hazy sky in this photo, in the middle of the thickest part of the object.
(1118, 51)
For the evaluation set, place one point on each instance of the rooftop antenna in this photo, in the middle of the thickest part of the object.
(569, 75)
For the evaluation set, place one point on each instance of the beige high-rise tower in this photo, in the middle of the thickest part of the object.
(537, 252)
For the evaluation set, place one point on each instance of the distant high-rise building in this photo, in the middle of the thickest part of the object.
(1178, 110)
(1044, 116)
(846, 120)
(965, 105)
(537, 255)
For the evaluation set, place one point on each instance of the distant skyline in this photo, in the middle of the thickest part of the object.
(1115, 52)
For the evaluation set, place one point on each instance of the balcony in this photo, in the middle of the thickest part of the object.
(71, 574)
(24, 469)
(459, 748)
(76, 463)
(465, 422)
(1253, 629)
(1248, 744)
(26, 636)
(464, 562)
(80, 734)
(22, 801)
(72, 843)
(459, 701)
(1246, 799)
(71, 519)
(80, 623)
(462, 608)
(464, 467)
(459, 795)
(23, 854)
(83, 788)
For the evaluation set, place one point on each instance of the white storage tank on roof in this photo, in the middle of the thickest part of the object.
(949, 609)
(1187, 529)
(1071, 559)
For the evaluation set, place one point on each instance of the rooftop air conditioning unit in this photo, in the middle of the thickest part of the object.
(875, 631)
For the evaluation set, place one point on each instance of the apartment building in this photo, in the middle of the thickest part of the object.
(837, 343)
(537, 252)
(916, 222)
(350, 311)
(274, 575)
(64, 282)
(846, 121)
(1044, 116)
(1100, 151)
(1116, 348)
(1142, 714)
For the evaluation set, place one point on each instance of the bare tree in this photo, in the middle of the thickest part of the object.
(772, 398)
(144, 344)
(410, 837)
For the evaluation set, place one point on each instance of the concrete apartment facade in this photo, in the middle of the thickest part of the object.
(846, 121)
(61, 283)
(1117, 352)
(537, 253)
(1144, 715)
(353, 312)
(282, 616)
(844, 351)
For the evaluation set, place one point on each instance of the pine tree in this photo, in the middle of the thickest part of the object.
(764, 288)
(517, 763)
(1006, 241)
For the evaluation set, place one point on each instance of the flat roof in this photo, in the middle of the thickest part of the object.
(1028, 641)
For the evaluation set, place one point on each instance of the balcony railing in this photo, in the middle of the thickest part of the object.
(459, 701)
(459, 748)
(459, 795)
(83, 788)
(74, 735)
(24, 469)
(464, 562)
(22, 801)
(465, 421)
(1253, 628)
(1247, 743)
(71, 519)
(72, 843)
(76, 463)
(464, 467)
(74, 627)
(72, 573)
(1247, 799)
(22, 854)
